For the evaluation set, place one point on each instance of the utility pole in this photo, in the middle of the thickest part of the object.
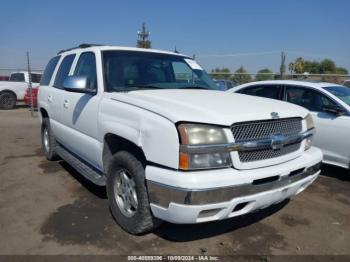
(283, 65)
(143, 37)
(30, 86)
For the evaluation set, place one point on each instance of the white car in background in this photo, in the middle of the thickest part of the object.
(329, 105)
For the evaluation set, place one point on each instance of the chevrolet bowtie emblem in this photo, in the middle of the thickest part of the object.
(274, 115)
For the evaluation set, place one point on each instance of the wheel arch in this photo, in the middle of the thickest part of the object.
(113, 143)
(8, 91)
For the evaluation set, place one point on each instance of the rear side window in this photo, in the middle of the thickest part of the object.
(45, 79)
(86, 67)
(17, 77)
(268, 91)
(35, 78)
(63, 71)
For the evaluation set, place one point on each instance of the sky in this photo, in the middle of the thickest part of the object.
(222, 33)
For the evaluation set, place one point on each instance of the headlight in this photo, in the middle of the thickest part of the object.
(195, 140)
(309, 125)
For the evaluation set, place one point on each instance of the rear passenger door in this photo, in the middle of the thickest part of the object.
(267, 91)
(80, 113)
(55, 95)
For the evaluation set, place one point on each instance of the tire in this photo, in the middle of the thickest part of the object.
(7, 100)
(48, 140)
(135, 218)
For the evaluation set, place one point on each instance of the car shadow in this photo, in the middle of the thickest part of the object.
(191, 232)
(99, 191)
(335, 172)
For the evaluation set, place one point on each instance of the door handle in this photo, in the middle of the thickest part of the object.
(66, 103)
(49, 98)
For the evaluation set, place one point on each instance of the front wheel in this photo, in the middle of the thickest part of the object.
(127, 194)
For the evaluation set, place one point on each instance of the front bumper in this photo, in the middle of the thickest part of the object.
(218, 194)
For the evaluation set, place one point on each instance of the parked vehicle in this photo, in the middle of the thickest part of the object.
(346, 83)
(4, 78)
(34, 94)
(13, 90)
(224, 84)
(330, 108)
(169, 148)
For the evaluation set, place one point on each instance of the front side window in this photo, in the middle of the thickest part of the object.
(134, 70)
(342, 92)
(17, 77)
(310, 99)
(267, 91)
(86, 67)
(50, 68)
(63, 71)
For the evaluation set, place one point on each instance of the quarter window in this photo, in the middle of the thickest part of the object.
(86, 67)
(46, 78)
(268, 91)
(63, 71)
(310, 99)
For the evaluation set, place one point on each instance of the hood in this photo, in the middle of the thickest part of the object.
(207, 106)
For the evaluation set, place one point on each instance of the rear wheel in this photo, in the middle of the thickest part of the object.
(48, 140)
(127, 194)
(7, 100)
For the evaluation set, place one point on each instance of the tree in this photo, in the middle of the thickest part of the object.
(291, 68)
(327, 66)
(226, 73)
(299, 65)
(312, 67)
(283, 65)
(341, 71)
(264, 74)
(143, 38)
(241, 76)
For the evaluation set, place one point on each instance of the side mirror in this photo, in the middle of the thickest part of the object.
(334, 109)
(77, 84)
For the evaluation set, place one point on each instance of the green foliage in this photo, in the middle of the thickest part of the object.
(299, 64)
(341, 71)
(264, 74)
(241, 76)
(327, 66)
(313, 67)
(216, 73)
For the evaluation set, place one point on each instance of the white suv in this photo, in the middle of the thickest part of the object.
(151, 126)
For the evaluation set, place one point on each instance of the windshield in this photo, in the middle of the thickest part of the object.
(342, 92)
(134, 70)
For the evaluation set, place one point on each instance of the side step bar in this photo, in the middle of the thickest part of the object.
(82, 167)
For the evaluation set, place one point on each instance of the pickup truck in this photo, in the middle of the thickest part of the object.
(153, 128)
(14, 89)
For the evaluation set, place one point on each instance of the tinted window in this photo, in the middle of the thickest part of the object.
(36, 78)
(268, 91)
(221, 85)
(86, 67)
(17, 77)
(310, 99)
(342, 92)
(63, 71)
(46, 77)
(229, 85)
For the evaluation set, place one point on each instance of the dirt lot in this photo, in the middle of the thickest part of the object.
(47, 208)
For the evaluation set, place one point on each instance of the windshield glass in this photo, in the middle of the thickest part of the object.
(134, 70)
(342, 92)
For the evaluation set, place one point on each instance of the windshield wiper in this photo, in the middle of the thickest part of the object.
(194, 87)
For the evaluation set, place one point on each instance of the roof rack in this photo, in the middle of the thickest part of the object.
(79, 46)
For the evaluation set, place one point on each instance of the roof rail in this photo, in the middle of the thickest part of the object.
(79, 46)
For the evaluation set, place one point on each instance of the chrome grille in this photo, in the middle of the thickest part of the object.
(256, 130)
